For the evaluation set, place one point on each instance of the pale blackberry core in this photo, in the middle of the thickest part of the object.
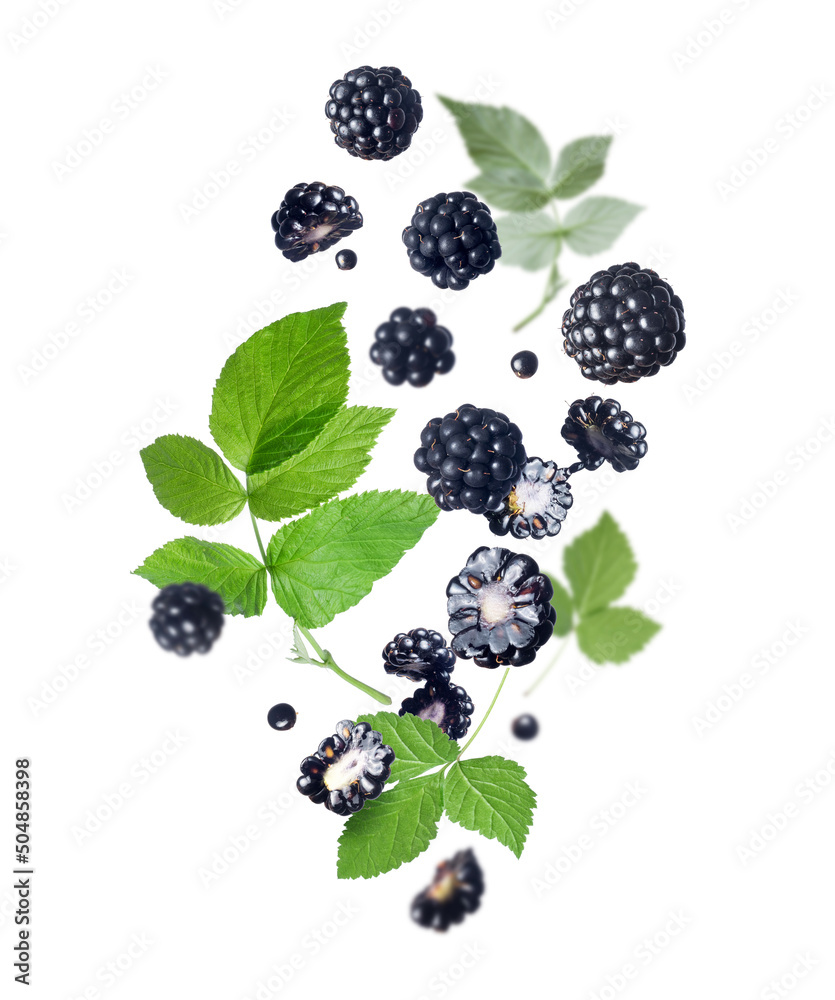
(411, 346)
(447, 705)
(281, 716)
(374, 112)
(419, 655)
(524, 364)
(314, 217)
(538, 503)
(456, 890)
(187, 618)
(602, 432)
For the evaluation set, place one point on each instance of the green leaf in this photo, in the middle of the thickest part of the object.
(515, 190)
(561, 602)
(331, 463)
(500, 138)
(490, 796)
(192, 480)
(328, 560)
(554, 284)
(280, 388)
(599, 565)
(531, 241)
(595, 223)
(612, 635)
(391, 830)
(579, 165)
(418, 744)
(237, 576)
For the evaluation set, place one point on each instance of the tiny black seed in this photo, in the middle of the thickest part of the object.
(524, 364)
(282, 716)
(525, 727)
(346, 260)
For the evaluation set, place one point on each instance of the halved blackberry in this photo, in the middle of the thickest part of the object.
(447, 705)
(538, 503)
(472, 457)
(314, 217)
(602, 432)
(500, 609)
(410, 345)
(187, 618)
(419, 655)
(349, 767)
(456, 890)
(374, 112)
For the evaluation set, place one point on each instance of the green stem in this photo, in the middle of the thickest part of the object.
(257, 534)
(487, 713)
(328, 661)
(544, 673)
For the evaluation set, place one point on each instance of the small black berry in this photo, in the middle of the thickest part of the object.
(412, 347)
(282, 716)
(447, 705)
(538, 503)
(187, 618)
(524, 364)
(313, 217)
(456, 890)
(525, 727)
(602, 432)
(374, 112)
(346, 260)
(419, 655)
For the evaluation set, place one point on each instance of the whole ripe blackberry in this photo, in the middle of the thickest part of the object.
(453, 239)
(314, 217)
(455, 891)
(411, 346)
(419, 655)
(349, 767)
(447, 705)
(602, 432)
(624, 323)
(472, 458)
(525, 727)
(187, 618)
(538, 503)
(374, 112)
(500, 609)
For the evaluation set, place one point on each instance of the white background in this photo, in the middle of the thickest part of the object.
(692, 107)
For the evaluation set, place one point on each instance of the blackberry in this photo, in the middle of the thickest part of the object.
(374, 112)
(349, 767)
(499, 608)
(346, 260)
(453, 238)
(314, 217)
(602, 432)
(472, 458)
(187, 618)
(525, 727)
(538, 503)
(624, 323)
(456, 891)
(524, 364)
(282, 716)
(445, 704)
(411, 346)
(419, 655)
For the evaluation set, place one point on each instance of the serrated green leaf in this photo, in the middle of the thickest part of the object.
(554, 284)
(612, 635)
(515, 190)
(192, 480)
(418, 744)
(500, 138)
(579, 165)
(490, 796)
(599, 565)
(391, 830)
(561, 602)
(327, 561)
(594, 224)
(531, 241)
(280, 388)
(331, 463)
(236, 575)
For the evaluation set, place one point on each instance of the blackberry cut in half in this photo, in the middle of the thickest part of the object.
(472, 458)
(624, 323)
(452, 238)
(456, 891)
(419, 655)
(314, 217)
(538, 503)
(447, 705)
(500, 609)
(187, 618)
(602, 432)
(411, 347)
(374, 112)
(349, 767)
